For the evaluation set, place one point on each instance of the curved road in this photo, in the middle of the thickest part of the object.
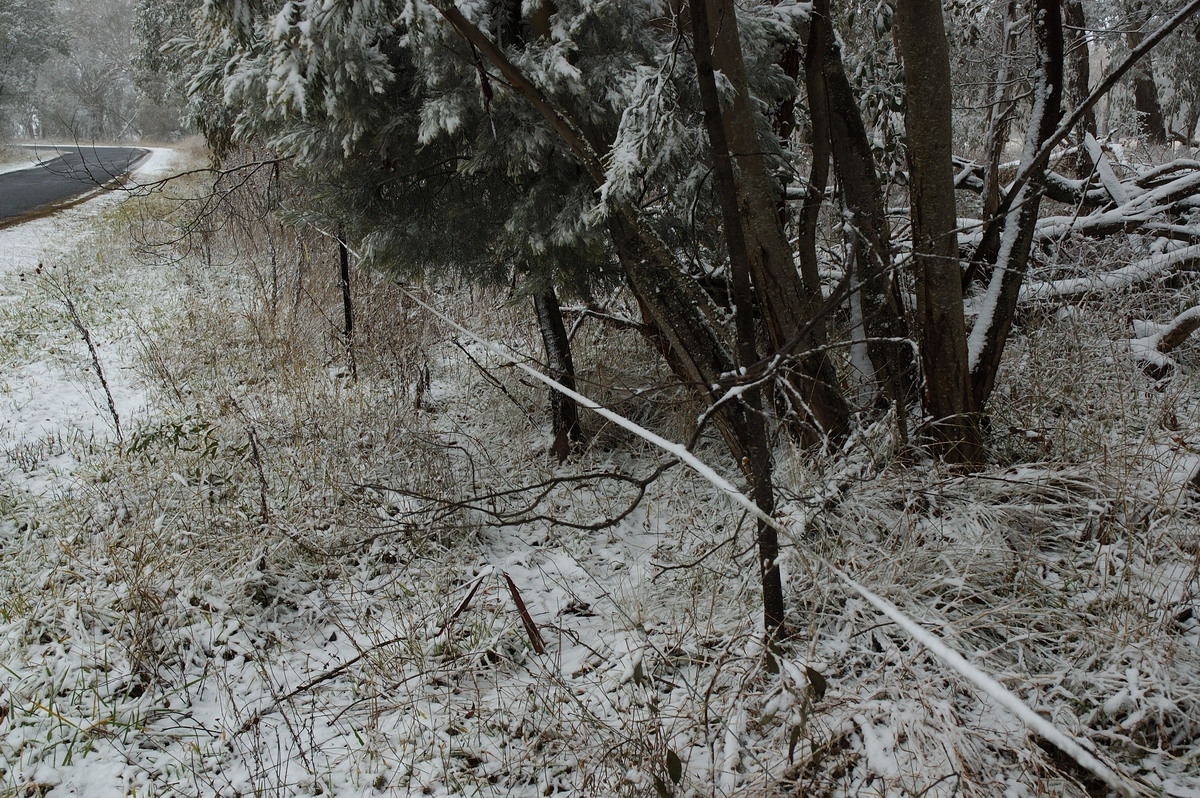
(65, 172)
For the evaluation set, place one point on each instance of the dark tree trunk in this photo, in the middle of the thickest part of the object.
(347, 304)
(878, 294)
(564, 414)
(1012, 240)
(788, 308)
(921, 36)
(1145, 89)
(1079, 72)
(757, 466)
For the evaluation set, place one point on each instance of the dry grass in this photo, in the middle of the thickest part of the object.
(258, 594)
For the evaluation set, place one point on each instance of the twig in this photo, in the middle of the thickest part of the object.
(62, 291)
(257, 716)
(531, 630)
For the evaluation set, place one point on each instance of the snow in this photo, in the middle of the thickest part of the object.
(17, 160)
(54, 399)
(1120, 279)
(1116, 189)
(986, 305)
(285, 655)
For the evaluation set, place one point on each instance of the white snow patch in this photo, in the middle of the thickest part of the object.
(55, 401)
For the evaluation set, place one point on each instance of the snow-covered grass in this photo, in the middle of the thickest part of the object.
(13, 159)
(288, 581)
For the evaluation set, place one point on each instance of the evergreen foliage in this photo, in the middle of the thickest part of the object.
(401, 129)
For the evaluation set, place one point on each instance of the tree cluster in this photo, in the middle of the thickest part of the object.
(27, 37)
(719, 161)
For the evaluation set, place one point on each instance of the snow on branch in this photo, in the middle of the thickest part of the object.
(1136, 273)
(1116, 189)
(1137, 207)
(1178, 330)
(1156, 341)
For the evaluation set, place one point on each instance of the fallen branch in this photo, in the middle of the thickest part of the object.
(531, 630)
(1178, 329)
(1141, 271)
(1156, 341)
(1108, 178)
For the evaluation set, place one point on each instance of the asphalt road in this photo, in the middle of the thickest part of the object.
(64, 173)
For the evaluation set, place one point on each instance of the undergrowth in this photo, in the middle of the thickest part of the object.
(292, 580)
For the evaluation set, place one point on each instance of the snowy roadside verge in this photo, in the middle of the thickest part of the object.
(50, 396)
(291, 582)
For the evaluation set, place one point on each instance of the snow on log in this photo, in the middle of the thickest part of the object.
(1151, 349)
(1116, 189)
(1151, 176)
(1178, 330)
(1121, 279)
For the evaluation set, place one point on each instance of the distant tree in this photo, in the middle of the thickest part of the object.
(1179, 65)
(1146, 100)
(159, 74)
(87, 91)
(28, 37)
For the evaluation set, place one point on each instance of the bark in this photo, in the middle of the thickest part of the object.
(788, 307)
(854, 163)
(1145, 89)
(1079, 72)
(758, 467)
(564, 414)
(1178, 330)
(347, 304)
(1016, 235)
(924, 49)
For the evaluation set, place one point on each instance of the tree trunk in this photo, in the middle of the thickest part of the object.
(753, 434)
(878, 294)
(921, 36)
(1079, 74)
(1145, 90)
(347, 304)
(818, 175)
(1013, 238)
(1000, 113)
(564, 414)
(788, 308)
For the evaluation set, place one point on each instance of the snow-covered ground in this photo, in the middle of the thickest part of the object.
(14, 160)
(50, 392)
(291, 583)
